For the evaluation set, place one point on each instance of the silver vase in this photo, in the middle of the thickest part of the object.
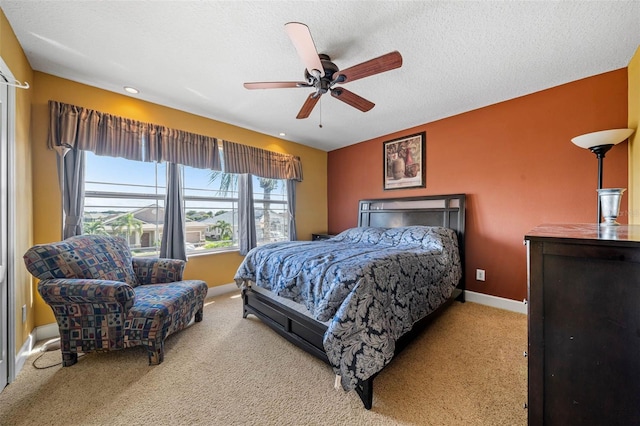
(610, 204)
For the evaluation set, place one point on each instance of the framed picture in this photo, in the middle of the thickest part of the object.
(405, 162)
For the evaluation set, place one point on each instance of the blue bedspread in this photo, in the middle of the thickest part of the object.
(371, 284)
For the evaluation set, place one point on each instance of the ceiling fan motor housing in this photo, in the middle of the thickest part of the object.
(323, 84)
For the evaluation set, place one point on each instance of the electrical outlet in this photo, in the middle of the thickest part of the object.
(24, 313)
(479, 274)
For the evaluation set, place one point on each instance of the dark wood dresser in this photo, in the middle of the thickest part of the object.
(584, 325)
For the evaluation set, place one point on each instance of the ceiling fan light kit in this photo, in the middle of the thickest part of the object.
(322, 75)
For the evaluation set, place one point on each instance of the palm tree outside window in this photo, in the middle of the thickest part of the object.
(128, 226)
(271, 213)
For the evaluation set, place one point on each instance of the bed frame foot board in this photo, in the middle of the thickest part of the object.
(365, 392)
(291, 325)
(458, 294)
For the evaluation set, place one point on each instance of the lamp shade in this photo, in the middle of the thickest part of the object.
(604, 137)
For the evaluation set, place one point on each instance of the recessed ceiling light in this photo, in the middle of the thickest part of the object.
(131, 90)
(283, 134)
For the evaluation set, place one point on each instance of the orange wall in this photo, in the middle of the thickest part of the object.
(517, 165)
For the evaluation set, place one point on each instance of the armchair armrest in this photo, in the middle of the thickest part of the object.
(157, 271)
(75, 290)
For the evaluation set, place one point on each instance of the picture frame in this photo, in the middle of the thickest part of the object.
(404, 162)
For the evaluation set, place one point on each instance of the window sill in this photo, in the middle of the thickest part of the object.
(210, 253)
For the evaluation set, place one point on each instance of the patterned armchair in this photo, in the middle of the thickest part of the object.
(104, 299)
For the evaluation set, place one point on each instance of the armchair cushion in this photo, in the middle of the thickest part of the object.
(161, 310)
(156, 271)
(84, 257)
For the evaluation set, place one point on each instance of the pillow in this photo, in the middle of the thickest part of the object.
(392, 236)
(434, 237)
(83, 256)
(369, 235)
(416, 236)
(427, 237)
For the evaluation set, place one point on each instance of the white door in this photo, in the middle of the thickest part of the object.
(4, 304)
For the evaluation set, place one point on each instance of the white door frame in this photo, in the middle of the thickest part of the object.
(7, 138)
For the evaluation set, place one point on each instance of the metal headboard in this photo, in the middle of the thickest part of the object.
(429, 210)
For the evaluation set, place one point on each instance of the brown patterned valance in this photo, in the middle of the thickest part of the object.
(239, 158)
(74, 127)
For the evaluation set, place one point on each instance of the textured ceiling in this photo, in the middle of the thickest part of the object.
(195, 55)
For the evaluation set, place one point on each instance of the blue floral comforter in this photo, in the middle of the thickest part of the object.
(371, 284)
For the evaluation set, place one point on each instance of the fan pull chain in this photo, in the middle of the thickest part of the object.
(320, 101)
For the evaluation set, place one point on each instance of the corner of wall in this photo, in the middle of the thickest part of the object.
(633, 76)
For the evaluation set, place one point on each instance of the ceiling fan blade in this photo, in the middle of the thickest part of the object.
(308, 105)
(373, 66)
(301, 37)
(352, 99)
(275, 85)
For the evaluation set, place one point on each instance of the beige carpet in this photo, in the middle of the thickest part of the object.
(467, 368)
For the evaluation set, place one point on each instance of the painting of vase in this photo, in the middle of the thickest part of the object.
(405, 162)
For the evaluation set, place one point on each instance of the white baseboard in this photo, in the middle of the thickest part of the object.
(496, 302)
(24, 352)
(221, 289)
(47, 331)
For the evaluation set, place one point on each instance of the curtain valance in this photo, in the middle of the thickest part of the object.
(242, 159)
(180, 147)
(74, 127)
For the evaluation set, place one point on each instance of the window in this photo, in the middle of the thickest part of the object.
(126, 198)
(271, 210)
(211, 209)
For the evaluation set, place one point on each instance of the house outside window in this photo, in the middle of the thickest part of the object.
(126, 198)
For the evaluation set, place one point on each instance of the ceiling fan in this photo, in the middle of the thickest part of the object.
(322, 75)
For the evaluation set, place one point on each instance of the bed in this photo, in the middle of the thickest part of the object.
(401, 267)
